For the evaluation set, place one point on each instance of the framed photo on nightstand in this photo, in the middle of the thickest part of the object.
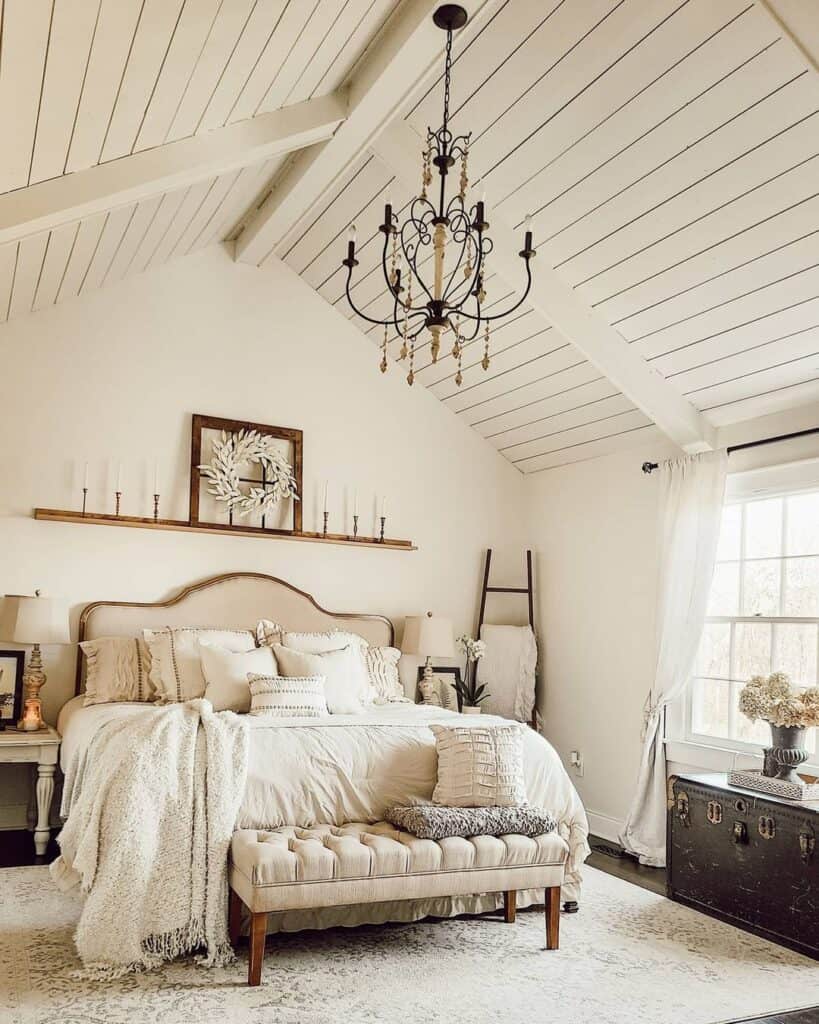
(11, 687)
(444, 678)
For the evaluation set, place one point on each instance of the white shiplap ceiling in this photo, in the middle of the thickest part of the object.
(668, 148)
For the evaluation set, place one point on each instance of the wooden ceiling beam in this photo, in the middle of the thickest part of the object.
(398, 65)
(561, 306)
(71, 197)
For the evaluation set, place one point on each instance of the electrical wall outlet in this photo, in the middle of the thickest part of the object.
(576, 761)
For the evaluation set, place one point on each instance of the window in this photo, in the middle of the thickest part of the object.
(763, 614)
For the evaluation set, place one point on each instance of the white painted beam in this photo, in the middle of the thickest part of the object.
(398, 146)
(175, 165)
(399, 64)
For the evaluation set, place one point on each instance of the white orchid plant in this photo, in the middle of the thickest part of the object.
(470, 694)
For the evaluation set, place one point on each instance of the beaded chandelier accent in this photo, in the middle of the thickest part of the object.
(450, 235)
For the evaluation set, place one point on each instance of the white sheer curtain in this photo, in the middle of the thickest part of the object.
(692, 493)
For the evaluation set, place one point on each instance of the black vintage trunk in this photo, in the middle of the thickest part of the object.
(746, 857)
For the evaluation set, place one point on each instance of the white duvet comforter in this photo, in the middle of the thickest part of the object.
(304, 771)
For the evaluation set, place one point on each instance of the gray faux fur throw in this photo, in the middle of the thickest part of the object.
(429, 821)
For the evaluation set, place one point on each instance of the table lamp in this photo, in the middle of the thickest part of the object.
(33, 620)
(427, 636)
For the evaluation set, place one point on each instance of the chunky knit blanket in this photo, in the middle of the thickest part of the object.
(153, 807)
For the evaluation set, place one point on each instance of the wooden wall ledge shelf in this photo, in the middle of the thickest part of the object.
(54, 515)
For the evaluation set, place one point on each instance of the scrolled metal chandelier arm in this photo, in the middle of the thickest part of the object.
(448, 237)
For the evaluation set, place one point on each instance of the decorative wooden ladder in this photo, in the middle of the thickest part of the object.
(529, 590)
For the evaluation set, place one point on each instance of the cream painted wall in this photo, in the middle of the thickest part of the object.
(594, 525)
(116, 375)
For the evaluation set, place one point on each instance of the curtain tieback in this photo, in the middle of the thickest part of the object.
(651, 708)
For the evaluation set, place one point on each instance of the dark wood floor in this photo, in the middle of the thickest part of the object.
(17, 850)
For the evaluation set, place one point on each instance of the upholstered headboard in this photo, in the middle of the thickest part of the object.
(233, 600)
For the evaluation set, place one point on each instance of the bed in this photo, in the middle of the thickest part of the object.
(306, 771)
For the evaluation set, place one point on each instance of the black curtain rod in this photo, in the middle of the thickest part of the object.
(649, 467)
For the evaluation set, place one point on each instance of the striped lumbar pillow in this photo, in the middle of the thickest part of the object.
(280, 697)
(480, 766)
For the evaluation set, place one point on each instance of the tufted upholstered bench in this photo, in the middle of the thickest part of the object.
(326, 866)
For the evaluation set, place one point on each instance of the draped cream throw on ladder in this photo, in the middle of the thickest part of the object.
(152, 807)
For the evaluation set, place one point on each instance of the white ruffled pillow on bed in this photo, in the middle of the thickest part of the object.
(176, 670)
(340, 671)
(226, 674)
(117, 668)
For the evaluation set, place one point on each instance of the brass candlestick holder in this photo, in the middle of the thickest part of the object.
(381, 534)
(84, 498)
(324, 529)
(117, 500)
(355, 527)
(156, 507)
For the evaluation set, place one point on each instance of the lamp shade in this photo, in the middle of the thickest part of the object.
(34, 620)
(428, 635)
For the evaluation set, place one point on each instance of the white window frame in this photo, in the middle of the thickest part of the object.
(683, 744)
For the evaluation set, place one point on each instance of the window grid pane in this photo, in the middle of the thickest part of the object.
(767, 566)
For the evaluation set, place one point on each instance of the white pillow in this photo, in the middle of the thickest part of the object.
(382, 666)
(282, 697)
(176, 671)
(335, 640)
(339, 669)
(117, 668)
(226, 672)
(480, 766)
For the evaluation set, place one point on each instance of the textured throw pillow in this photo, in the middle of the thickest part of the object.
(268, 633)
(480, 766)
(226, 672)
(430, 822)
(339, 669)
(294, 697)
(382, 667)
(176, 671)
(117, 668)
(335, 640)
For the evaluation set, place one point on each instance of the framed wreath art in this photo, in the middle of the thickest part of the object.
(253, 476)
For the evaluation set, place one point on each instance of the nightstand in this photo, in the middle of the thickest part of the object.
(40, 748)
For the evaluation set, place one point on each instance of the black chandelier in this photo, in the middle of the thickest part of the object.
(452, 233)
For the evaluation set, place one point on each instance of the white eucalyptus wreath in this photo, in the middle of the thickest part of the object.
(248, 447)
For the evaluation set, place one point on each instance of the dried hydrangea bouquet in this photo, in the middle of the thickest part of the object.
(789, 711)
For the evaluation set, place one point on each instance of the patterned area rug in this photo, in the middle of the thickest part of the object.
(628, 957)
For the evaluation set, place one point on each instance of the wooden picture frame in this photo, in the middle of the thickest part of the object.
(11, 687)
(294, 437)
(449, 696)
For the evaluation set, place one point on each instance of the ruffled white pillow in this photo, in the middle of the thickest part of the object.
(117, 668)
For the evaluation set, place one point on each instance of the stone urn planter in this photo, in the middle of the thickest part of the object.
(788, 750)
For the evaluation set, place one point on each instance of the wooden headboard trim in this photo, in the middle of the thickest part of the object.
(213, 581)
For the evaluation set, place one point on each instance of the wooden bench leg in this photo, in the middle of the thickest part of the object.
(553, 917)
(510, 900)
(234, 918)
(258, 927)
